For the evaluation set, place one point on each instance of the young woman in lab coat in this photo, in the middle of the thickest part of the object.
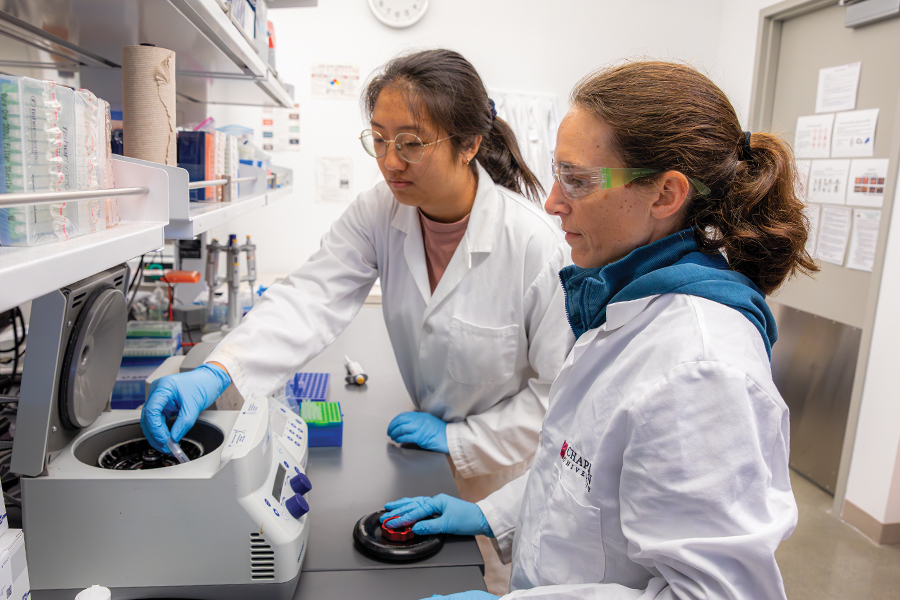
(662, 465)
(468, 270)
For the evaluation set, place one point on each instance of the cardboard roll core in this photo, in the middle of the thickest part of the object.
(368, 534)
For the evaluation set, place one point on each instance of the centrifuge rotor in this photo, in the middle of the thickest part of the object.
(138, 454)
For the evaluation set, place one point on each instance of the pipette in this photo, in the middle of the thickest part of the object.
(176, 451)
(355, 373)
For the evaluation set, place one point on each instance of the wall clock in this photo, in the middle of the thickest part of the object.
(399, 13)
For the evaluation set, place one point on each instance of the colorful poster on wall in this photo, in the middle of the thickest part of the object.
(867, 177)
(281, 129)
(834, 231)
(812, 139)
(334, 80)
(828, 181)
(863, 240)
(837, 88)
(854, 133)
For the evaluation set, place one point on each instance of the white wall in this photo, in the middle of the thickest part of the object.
(521, 45)
(874, 479)
(737, 50)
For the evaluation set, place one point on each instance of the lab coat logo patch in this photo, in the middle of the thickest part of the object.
(575, 462)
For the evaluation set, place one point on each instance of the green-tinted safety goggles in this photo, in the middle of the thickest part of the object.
(577, 181)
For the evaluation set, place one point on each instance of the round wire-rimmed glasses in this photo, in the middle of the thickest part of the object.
(409, 147)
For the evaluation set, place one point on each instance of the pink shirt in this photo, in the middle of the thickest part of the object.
(441, 240)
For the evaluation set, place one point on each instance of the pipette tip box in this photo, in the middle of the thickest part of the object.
(154, 329)
(149, 351)
(308, 386)
(129, 390)
(325, 422)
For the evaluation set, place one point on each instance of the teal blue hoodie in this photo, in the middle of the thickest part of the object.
(672, 265)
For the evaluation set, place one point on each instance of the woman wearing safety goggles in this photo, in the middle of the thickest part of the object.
(662, 466)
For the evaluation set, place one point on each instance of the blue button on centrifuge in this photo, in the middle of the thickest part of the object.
(300, 483)
(297, 506)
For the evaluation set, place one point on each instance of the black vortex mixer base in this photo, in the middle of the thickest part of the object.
(369, 541)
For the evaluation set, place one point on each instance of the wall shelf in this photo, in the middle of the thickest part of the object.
(203, 216)
(29, 272)
(165, 213)
(279, 193)
(215, 62)
(189, 219)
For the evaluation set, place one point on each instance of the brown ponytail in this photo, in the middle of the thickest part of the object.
(449, 90)
(669, 116)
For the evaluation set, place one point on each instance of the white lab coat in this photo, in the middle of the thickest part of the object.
(662, 469)
(480, 353)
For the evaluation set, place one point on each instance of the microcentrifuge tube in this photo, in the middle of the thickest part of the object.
(176, 451)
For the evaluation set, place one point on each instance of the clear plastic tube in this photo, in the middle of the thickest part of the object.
(176, 451)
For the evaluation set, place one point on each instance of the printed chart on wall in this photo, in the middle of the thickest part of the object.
(281, 129)
(834, 231)
(867, 177)
(837, 88)
(334, 180)
(833, 148)
(828, 181)
(854, 133)
(334, 80)
(863, 239)
(812, 138)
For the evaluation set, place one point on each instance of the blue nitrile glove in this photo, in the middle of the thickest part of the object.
(422, 429)
(456, 516)
(473, 595)
(185, 395)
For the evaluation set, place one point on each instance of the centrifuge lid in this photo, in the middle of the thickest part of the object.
(91, 361)
(75, 340)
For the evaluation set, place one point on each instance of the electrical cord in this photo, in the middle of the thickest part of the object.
(138, 277)
(4, 399)
(18, 342)
(136, 272)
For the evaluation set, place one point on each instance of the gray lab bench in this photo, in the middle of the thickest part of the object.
(367, 471)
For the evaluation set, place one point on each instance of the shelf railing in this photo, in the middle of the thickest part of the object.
(196, 185)
(26, 198)
(226, 181)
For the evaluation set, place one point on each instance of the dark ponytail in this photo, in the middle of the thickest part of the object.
(669, 116)
(447, 88)
(499, 155)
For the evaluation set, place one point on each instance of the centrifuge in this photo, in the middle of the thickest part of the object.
(101, 506)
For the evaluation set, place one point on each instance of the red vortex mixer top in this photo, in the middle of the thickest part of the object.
(399, 534)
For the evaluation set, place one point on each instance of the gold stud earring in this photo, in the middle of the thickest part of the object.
(467, 161)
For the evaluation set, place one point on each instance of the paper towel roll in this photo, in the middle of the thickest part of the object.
(95, 592)
(148, 104)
